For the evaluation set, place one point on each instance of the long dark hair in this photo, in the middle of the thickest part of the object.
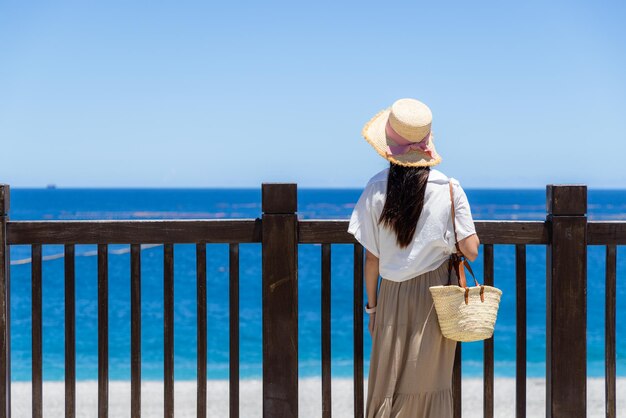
(404, 200)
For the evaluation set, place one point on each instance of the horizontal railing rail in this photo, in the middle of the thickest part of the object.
(134, 231)
(312, 231)
(250, 230)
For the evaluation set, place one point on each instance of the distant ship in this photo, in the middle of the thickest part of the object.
(51, 186)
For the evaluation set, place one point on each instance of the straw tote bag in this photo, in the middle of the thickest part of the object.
(465, 313)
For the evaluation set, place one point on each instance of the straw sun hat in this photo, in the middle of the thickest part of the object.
(402, 135)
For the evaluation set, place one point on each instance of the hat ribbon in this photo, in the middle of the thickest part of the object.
(404, 145)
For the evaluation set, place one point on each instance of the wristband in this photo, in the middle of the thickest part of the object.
(370, 310)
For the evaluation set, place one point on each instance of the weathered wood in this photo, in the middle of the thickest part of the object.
(512, 232)
(317, 231)
(103, 331)
(566, 304)
(312, 231)
(5, 305)
(248, 231)
(279, 198)
(36, 331)
(280, 303)
(168, 329)
(326, 353)
(520, 326)
(135, 331)
(358, 330)
(233, 263)
(609, 331)
(201, 329)
(606, 233)
(70, 332)
(145, 231)
(563, 200)
(488, 342)
(457, 382)
(5, 198)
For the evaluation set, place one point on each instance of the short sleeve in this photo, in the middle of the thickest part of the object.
(364, 220)
(463, 214)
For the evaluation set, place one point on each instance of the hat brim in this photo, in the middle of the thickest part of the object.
(374, 133)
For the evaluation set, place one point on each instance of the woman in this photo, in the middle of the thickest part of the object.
(403, 219)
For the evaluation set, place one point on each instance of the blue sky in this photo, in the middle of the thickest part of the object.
(185, 94)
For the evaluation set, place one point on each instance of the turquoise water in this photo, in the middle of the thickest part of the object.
(43, 204)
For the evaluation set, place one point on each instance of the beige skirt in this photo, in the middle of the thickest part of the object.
(411, 362)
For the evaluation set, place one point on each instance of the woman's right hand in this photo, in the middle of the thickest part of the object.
(370, 325)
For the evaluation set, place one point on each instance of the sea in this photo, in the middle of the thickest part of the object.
(224, 203)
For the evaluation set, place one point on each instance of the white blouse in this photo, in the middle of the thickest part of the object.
(434, 238)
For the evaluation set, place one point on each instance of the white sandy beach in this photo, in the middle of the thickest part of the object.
(309, 398)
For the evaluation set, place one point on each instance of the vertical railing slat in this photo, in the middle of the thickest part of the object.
(279, 248)
(36, 312)
(566, 302)
(103, 332)
(457, 382)
(201, 328)
(135, 331)
(358, 330)
(5, 303)
(70, 333)
(233, 263)
(488, 342)
(609, 331)
(520, 326)
(326, 354)
(168, 329)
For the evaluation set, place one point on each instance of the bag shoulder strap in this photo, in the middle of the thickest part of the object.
(456, 242)
(458, 262)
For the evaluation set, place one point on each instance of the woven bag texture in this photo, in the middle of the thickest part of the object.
(466, 322)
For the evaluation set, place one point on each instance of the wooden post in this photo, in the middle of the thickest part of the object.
(279, 248)
(566, 302)
(5, 306)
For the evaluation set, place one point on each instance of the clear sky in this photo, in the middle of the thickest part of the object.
(233, 94)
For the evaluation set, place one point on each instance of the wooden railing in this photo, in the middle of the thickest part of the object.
(565, 233)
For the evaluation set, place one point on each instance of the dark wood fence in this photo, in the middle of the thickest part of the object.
(566, 233)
